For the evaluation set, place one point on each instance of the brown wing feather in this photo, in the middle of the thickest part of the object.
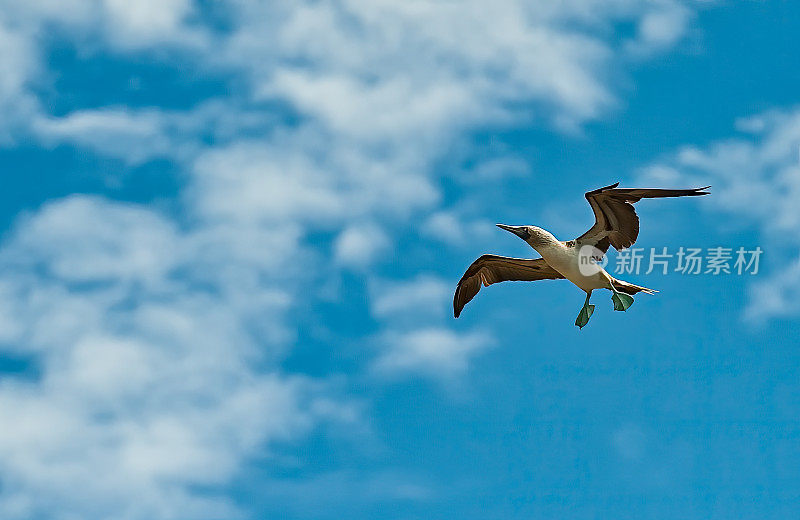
(616, 222)
(490, 269)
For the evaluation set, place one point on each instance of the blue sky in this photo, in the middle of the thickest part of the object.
(231, 234)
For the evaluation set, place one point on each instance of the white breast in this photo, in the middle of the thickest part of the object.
(567, 261)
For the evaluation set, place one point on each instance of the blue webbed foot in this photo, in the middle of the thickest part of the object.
(584, 315)
(621, 301)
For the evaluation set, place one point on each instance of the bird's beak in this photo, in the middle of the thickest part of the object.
(520, 231)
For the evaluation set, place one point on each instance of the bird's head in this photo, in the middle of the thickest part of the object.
(535, 236)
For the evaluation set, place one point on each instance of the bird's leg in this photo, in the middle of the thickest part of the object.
(621, 301)
(586, 312)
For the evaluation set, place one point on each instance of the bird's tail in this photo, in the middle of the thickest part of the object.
(629, 288)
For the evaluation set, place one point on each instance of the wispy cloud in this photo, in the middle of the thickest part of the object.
(434, 351)
(144, 363)
(359, 245)
(756, 180)
(425, 295)
(417, 338)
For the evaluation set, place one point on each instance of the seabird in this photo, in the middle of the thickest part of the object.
(616, 224)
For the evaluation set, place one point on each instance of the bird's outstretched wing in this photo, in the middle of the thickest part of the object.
(616, 222)
(490, 269)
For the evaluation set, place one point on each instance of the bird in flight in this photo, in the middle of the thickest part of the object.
(616, 224)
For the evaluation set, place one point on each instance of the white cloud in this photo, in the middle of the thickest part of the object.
(124, 26)
(424, 295)
(360, 245)
(762, 164)
(660, 29)
(143, 134)
(134, 136)
(398, 69)
(79, 445)
(307, 176)
(367, 112)
(776, 295)
(386, 70)
(454, 229)
(437, 351)
(18, 67)
(755, 180)
(83, 239)
(384, 87)
(132, 23)
(414, 314)
(145, 385)
(262, 182)
(498, 168)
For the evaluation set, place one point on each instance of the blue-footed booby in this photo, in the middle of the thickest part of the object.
(616, 224)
